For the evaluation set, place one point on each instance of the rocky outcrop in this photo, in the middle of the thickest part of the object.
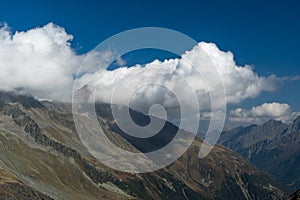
(20, 96)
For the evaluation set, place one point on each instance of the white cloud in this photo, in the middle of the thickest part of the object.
(40, 60)
(240, 82)
(121, 62)
(262, 113)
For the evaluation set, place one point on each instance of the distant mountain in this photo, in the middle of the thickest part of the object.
(274, 147)
(19, 96)
(41, 150)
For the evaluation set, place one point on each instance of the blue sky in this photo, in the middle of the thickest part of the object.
(263, 34)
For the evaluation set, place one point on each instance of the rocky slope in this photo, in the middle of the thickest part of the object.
(40, 148)
(295, 196)
(273, 147)
(12, 188)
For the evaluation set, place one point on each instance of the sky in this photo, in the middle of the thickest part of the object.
(264, 35)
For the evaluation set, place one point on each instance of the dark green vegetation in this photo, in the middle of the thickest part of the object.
(42, 157)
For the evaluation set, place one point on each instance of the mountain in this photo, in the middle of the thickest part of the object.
(274, 147)
(295, 196)
(42, 157)
(12, 188)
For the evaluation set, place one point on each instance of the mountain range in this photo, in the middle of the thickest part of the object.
(273, 147)
(42, 157)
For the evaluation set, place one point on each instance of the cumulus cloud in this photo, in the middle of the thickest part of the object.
(178, 75)
(262, 113)
(40, 60)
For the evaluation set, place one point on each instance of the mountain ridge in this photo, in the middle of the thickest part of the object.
(273, 146)
(42, 148)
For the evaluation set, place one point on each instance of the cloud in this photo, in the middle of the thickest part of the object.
(40, 60)
(121, 62)
(177, 75)
(262, 113)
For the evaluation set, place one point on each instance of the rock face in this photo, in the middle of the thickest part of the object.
(20, 96)
(40, 147)
(295, 196)
(274, 147)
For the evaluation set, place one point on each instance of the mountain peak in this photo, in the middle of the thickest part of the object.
(19, 96)
(296, 124)
(273, 122)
